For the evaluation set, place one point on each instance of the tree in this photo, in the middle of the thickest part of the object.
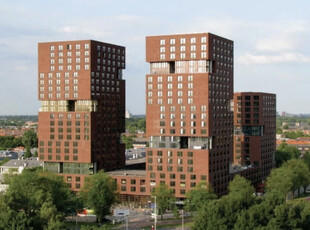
(27, 153)
(289, 177)
(36, 200)
(127, 141)
(202, 194)
(223, 213)
(241, 189)
(141, 124)
(286, 152)
(4, 161)
(30, 139)
(306, 158)
(164, 198)
(99, 192)
(35, 153)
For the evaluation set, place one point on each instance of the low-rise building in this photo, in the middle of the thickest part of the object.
(17, 166)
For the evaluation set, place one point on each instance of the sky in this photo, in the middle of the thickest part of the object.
(271, 42)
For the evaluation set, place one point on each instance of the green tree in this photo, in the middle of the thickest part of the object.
(36, 200)
(279, 130)
(202, 194)
(27, 153)
(4, 161)
(288, 216)
(99, 192)
(289, 177)
(286, 152)
(259, 214)
(223, 213)
(164, 198)
(306, 158)
(35, 153)
(141, 124)
(30, 139)
(127, 141)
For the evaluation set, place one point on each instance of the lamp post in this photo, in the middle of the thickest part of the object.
(182, 219)
(127, 222)
(155, 208)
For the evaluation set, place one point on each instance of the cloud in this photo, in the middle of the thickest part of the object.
(249, 58)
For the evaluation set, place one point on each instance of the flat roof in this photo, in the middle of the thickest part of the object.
(127, 172)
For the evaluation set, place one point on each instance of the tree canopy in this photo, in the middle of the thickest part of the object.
(240, 210)
(30, 139)
(36, 200)
(293, 174)
(164, 198)
(198, 196)
(286, 152)
(99, 193)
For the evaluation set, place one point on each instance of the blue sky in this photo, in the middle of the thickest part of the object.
(271, 39)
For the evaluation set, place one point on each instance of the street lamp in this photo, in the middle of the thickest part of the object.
(155, 219)
(182, 219)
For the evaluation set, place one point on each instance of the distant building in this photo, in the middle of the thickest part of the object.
(17, 166)
(127, 114)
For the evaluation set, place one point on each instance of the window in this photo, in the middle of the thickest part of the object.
(162, 41)
(172, 41)
(193, 40)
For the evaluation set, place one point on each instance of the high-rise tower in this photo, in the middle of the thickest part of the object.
(188, 117)
(82, 112)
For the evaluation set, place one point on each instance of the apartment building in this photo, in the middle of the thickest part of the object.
(255, 132)
(82, 112)
(188, 118)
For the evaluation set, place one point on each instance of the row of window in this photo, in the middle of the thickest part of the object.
(58, 150)
(169, 169)
(183, 55)
(170, 153)
(170, 86)
(58, 88)
(169, 78)
(69, 137)
(59, 95)
(69, 46)
(170, 161)
(69, 67)
(58, 157)
(58, 143)
(192, 40)
(58, 81)
(182, 131)
(162, 49)
(58, 75)
(69, 60)
(182, 123)
(69, 130)
(170, 101)
(69, 115)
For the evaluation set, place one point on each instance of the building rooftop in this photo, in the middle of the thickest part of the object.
(124, 172)
(28, 163)
(136, 161)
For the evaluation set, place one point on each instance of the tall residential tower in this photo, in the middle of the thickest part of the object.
(188, 117)
(81, 118)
